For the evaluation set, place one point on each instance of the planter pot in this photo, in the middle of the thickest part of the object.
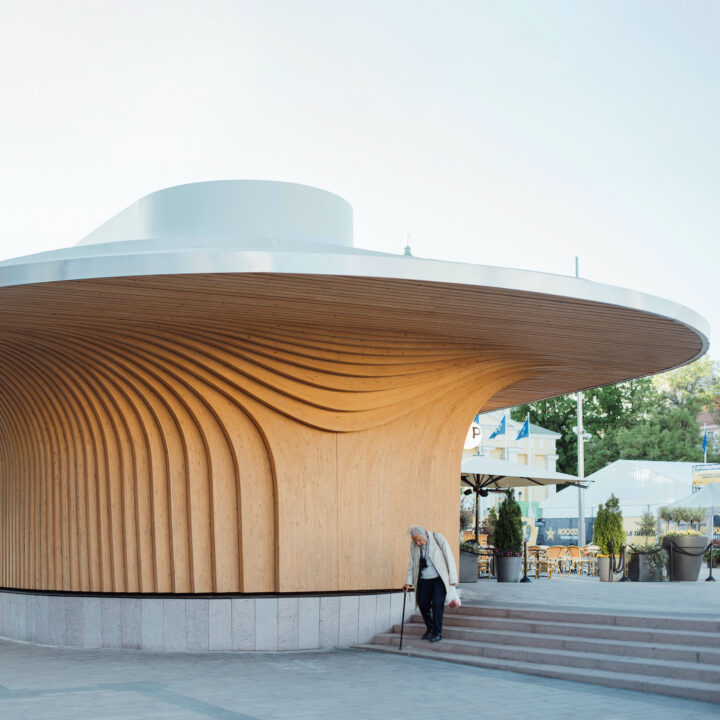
(639, 569)
(468, 567)
(508, 569)
(604, 570)
(682, 567)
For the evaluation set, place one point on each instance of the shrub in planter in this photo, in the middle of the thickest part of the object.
(686, 549)
(648, 564)
(715, 556)
(469, 551)
(608, 527)
(508, 539)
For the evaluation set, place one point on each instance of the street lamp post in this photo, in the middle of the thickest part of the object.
(581, 470)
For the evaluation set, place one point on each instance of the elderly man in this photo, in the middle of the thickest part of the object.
(432, 571)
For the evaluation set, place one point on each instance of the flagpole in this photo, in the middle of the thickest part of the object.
(505, 439)
(581, 470)
(581, 451)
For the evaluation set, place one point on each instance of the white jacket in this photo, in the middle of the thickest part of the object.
(441, 557)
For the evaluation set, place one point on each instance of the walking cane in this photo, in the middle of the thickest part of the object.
(402, 622)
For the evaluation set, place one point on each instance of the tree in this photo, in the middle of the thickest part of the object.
(608, 526)
(648, 526)
(665, 513)
(645, 419)
(508, 526)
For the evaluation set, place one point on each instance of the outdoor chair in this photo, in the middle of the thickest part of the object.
(532, 559)
(556, 558)
(542, 564)
(484, 562)
(573, 559)
(589, 559)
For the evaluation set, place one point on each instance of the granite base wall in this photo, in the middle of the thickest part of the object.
(199, 624)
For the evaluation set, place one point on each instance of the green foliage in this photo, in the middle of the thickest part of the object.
(508, 526)
(697, 515)
(648, 526)
(657, 559)
(470, 546)
(609, 526)
(487, 526)
(665, 513)
(638, 420)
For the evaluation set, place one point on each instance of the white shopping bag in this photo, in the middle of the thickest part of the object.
(452, 599)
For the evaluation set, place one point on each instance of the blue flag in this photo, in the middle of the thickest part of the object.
(499, 430)
(705, 441)
(524, 430)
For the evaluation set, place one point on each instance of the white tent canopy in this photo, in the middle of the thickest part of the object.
(498, 474)
(638, 484)
(708, 497)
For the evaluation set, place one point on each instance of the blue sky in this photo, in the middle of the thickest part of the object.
(506, 133)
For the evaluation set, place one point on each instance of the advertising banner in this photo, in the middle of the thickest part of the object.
(705, 473)
(557, 531)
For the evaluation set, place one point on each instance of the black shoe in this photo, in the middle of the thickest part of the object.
(436, 638)
(427, 635)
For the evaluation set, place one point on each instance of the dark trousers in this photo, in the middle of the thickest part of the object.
(431, 601)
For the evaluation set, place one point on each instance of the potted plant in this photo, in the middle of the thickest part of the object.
(508, 539)
(469, 551)
(665, 513)
(685, 547)
(608, 527)
(648, 563)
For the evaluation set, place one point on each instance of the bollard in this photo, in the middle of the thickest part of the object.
(525, 577)
(710, 577)
(612, 559)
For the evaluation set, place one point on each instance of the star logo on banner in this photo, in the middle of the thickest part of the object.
(550, 534)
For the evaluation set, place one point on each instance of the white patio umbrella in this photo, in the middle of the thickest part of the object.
(494, 474)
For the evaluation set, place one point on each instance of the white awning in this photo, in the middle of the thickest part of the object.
(496, 474)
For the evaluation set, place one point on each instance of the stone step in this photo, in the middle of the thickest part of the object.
(587, 618)
(622, 648)
(585, 630)
(699, 672)
(692, 690)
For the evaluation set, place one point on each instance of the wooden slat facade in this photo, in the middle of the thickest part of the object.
(267, 433)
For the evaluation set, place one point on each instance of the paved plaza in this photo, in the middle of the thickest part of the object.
(573, 593)
(52, 684)
(63, 684)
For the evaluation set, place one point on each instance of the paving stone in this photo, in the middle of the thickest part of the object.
(92, 622)
(131, 619)
(73, 622)
(174, 624)
(111, 623)
(46, 683)
(288, 620)
(243, 624)
(308, 623)
(329, 621)
(266, 624)
(152, 623)
(196, 625)
(220, 624)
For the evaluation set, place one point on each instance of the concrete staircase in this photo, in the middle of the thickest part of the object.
(664, 655)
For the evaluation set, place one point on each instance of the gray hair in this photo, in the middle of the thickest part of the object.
(417, 530)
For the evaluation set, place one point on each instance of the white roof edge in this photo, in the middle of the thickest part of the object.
(74, 264)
